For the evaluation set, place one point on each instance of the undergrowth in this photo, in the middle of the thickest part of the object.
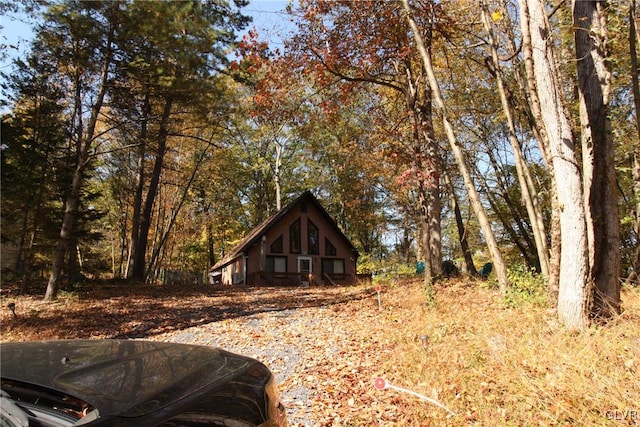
(525, 287)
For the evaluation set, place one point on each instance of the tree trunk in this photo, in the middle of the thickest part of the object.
(210, 247)
(556, 250)
(470, 267)
(418, 98)
(71, 207)
(633, 40)
(425, 232)
(430, 166)
(141, 152)
(575, 283)
(527, 84)
(276, 174)
(598, 162)
(529, 195)
(498, 262)
(83, 145)
(139, 263)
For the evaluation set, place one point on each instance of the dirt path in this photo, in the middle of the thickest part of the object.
(282, 340)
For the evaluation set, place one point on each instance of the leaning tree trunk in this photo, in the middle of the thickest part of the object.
(574, 281)
(598, 152)
(139, 261)
(529, 196)
(71, 207)
(84, 144)
(499, 265)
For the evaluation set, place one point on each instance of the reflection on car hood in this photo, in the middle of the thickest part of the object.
(125, 377)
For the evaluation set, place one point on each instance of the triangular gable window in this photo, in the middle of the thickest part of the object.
(329, 249)
(276, 247)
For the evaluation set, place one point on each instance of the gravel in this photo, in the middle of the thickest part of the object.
(284, 340)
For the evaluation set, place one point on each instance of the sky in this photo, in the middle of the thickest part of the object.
(268, 18)
(15, 35)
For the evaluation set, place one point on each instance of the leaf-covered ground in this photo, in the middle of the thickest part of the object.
(311, 338)
(487, 362)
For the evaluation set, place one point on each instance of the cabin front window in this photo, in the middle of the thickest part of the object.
(333, 266)
(276, 264)
(295, 237)
(313, 238)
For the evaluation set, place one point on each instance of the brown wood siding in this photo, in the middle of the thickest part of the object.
(233, 273)
(326, 230)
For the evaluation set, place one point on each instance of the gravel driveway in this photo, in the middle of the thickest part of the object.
(298, 345)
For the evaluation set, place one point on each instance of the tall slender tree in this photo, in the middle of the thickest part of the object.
(80, 37)
(461, 161)
(544, 79)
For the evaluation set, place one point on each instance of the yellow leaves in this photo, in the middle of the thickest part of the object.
(496, 16)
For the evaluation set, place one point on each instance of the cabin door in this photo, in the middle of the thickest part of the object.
(305, 269)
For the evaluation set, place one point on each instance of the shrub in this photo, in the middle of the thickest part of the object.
(525, 287)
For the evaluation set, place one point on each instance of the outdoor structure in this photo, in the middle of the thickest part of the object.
(299, 245)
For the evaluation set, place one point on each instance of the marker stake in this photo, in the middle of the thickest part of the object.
(381, 384)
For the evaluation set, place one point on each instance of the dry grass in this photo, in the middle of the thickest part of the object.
(495, 365)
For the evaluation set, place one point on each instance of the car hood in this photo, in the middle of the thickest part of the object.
(126, 378)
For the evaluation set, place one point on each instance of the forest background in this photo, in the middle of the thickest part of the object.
(146, 137)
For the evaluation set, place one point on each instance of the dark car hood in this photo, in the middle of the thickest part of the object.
(124, 377)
